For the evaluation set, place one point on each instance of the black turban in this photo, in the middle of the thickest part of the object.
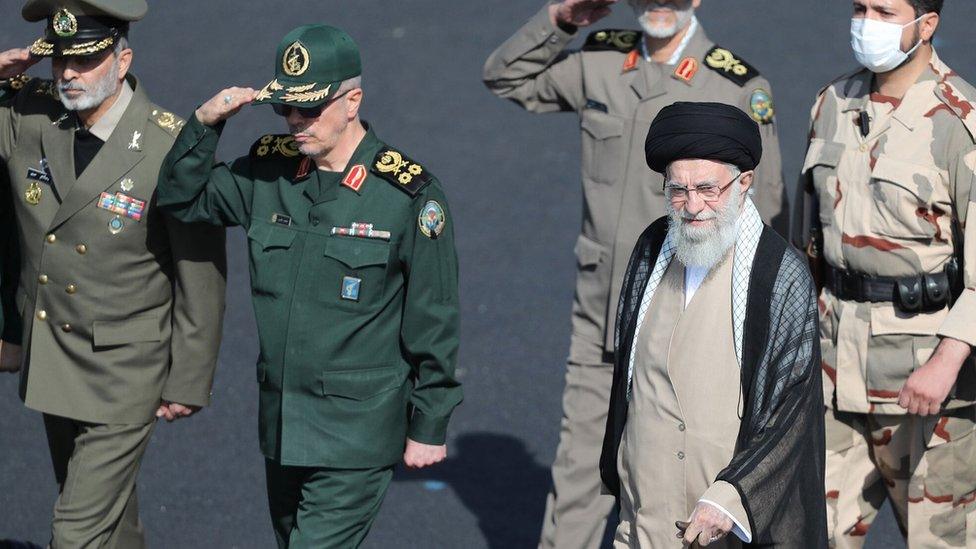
(712, 131)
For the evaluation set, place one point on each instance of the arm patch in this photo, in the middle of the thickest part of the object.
(728, 65)
(275, 147)
(405, 174)
(612, 40)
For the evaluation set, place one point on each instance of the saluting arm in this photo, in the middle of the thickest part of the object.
(431, 321)
(193, 187)
(532, 69)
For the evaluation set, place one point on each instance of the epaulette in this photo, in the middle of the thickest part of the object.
(11, 86)
(621, 40)
(405, 174)
(167, 121)
(958, 99)
(728, 65)
(270, 147)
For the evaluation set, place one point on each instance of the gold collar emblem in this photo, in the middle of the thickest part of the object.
(295, 61)
(64, 23)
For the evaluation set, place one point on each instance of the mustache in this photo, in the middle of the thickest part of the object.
(65, 86)
(700, 216)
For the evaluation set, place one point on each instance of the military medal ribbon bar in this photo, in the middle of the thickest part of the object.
(122, 204)
(361, 230)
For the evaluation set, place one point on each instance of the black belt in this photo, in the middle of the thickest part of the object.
(925, 292)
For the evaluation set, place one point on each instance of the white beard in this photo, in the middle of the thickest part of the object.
(683, 18)
(92, 96)
(705, 246)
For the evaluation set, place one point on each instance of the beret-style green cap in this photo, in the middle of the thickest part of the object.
(311, 62)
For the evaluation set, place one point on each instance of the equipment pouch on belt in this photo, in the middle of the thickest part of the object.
(908, 293)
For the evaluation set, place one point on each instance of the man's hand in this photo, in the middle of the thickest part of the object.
(10, 357)
(418, 456)
(706, 525)
(172, 411)
(928, 386)
(579, 13)
(224, 105)
(14, 62)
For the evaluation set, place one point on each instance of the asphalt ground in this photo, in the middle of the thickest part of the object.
(513, 182)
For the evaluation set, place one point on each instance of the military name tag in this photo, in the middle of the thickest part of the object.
(281, 219)
(123, 205)
(350, 288)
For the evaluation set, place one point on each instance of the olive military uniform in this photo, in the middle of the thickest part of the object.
(616, 92)
(890, 190)
(354, 284)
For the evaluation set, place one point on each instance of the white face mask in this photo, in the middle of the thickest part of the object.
(877, 44)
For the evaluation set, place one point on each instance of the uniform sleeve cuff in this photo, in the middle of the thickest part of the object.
(725, 498)
(428, 430)
(961, 322)
(187, 399)
(195, 132)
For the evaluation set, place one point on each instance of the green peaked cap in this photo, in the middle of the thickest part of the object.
(311, 62)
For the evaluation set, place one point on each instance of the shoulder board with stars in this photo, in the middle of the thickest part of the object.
(167, 121)
(728, 65)
(612, 40)
(405, 174)
(275, 147)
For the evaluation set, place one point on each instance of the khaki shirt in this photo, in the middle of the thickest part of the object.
(617, 93)
(121, 305)
(887, 203)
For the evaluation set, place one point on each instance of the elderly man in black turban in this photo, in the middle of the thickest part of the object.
(715, 431)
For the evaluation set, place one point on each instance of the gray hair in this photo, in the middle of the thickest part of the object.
(121, 44)
(350, 84)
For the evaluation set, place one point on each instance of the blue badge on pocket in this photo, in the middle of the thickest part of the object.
(350, 288)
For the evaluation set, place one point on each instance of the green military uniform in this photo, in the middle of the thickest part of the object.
(121, 305)
(354, 285)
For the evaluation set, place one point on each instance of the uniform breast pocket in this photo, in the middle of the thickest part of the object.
(271, 266)
(603, 154)
(356, 272)
(823, 158)
(902, 197)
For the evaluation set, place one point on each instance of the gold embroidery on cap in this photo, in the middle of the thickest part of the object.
(299, 89)
(295, 61)
(307, 97)
(42, 47)
(88, 48)
(64, 23)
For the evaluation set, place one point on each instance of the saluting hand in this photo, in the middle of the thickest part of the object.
(10, 356)
(14, 62)
(224, 105)
(418, 456)
(171, 411)
(579, 13)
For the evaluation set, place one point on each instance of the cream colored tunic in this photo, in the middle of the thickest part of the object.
(684, 412)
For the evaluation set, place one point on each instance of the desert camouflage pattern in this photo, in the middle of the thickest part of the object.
(923, 464)
(892, 204)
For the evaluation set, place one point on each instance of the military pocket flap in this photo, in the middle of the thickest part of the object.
(358, 252)
(910, 177)
(822, 153)
(600, 125)
(106, 333)
(271, 236)
(363, 384)
(890, 321)
(588, 252)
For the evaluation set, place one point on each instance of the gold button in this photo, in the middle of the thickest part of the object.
(71, 289)
(42, 315)
(66, 328)
(864, 147)
(42, 279)
(81, 249)
(51, 239)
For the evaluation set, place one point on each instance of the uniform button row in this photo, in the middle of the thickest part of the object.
(681, 427)
(81, 249)
(42, 279)
(66, 328)
(51, 239)
(71, 289)
(681, 455)
(42, 315)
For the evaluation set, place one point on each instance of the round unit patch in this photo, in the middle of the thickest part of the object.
(761, 105)
(432, 219)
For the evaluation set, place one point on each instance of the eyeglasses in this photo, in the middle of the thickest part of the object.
(304, 112)
(709, 193)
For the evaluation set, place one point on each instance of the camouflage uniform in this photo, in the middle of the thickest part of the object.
(892, 204)
(616, 93)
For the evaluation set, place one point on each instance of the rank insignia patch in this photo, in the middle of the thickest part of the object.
(355, 178)
(686, 69)
(631, 62)
(281, 219)
(404, 173)
(432, 219)
(761, 105)
(350, 288)
(725, 63)
(123, 205)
